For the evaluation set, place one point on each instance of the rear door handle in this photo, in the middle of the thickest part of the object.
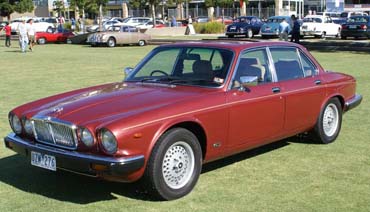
(317, 82)
(276, 90)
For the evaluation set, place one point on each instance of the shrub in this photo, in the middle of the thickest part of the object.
(209, 27)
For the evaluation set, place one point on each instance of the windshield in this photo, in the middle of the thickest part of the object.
(312, 20)
(357, 19)
(184, 65)
(274, 20)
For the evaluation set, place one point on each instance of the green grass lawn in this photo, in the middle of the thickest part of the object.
(289, 175)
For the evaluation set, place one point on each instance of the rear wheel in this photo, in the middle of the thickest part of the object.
(329, 122)
(141, 43)
(174, 165)
(111, 42)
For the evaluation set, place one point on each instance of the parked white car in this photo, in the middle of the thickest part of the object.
(39, 25)
(319, 26)
(134, 21)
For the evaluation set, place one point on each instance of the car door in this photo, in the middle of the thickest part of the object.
(301, 87)
(256, 112)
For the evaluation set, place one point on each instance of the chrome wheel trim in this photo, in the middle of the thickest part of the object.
(111, 42)
(42, 41)
(250, 33)
(330, 119)
(178, 165)
(141, 43)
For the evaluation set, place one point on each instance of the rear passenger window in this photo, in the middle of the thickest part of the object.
(287, 63)
(308, 68)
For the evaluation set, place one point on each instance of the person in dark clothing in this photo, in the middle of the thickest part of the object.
(295, 30)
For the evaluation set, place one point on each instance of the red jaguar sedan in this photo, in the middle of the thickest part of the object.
(184, 105)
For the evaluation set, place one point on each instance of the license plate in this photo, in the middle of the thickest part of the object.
(268, 28)
(352, 26)
(43, 160)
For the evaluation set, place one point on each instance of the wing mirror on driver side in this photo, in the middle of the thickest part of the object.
(127, 71)
(247, 81)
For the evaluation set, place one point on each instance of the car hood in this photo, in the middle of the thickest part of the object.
(110, 101)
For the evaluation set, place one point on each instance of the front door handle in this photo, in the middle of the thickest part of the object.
(276, 90)
(317, 82)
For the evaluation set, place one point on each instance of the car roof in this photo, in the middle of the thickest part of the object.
(236, 46)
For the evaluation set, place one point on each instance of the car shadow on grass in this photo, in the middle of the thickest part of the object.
(64, 186)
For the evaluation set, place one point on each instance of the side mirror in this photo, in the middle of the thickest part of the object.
(127, 71)
(247, 81)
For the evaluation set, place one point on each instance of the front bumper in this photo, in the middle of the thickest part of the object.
(353, 102)
(77, 162)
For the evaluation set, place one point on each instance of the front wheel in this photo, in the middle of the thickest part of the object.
(174, 165)
(249, 33)
(41, 41)
(111, 42)
(329, 122)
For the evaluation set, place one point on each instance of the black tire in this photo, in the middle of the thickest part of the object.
(184, 153)
(141, 43)
(41, 41)
(331, 112)
(249, 33)
(111, 42)
(343, 37)
(230, 36)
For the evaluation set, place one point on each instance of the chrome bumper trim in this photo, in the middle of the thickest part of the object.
(353, 102)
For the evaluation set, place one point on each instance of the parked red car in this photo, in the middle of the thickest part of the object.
(184, 105)
(56, 37)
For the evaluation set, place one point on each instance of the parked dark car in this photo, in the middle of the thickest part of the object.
(244, 25)
(356, 26)
(271, 27)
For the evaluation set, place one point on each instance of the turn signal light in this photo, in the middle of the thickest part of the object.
(99, 167)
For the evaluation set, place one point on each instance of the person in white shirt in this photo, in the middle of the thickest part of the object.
(23, 37)
(284, 30)
(31, 34)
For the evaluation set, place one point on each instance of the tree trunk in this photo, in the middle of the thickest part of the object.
(153, 14)
(278, 7)
(101, 17)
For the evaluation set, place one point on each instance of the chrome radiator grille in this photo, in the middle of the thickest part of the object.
(55, 132)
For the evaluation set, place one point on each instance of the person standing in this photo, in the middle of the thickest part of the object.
(31, 34)
(284, 30)
(8, 33)
(73, 24)
(296, 30)
(23, 37)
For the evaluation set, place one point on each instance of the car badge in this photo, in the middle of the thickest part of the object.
(57, 109)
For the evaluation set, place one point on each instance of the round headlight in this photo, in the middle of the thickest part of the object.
(86, 137)
(28, 127)
(109, 142)
(15, 123)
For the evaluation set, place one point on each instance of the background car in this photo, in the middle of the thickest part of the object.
(118, 35)
(244, 25)
(149, 24)
(225, 19)
(319, 26)
(38, 23)
(271, 27)
(56, 37)
(202, 19)
(356, 26)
